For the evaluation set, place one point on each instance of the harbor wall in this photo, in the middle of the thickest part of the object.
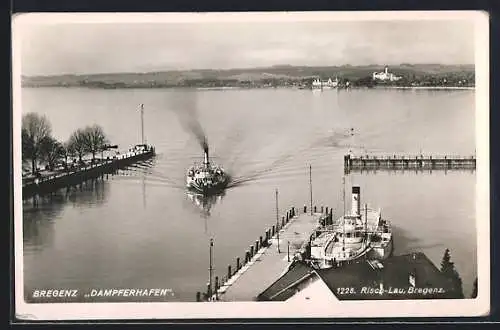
(359, 163)
(50, 183)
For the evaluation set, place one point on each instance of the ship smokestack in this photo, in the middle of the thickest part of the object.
(205, 149)
(355, 204)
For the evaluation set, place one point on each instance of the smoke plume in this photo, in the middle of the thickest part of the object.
(184, 105)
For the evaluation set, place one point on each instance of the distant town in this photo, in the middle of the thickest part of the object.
(403, 76)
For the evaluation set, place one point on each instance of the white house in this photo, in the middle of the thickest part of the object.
(386, 75)
(317, 83)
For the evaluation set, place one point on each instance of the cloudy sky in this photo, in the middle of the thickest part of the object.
(76, 48)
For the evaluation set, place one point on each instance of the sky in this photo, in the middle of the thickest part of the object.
(88, 48)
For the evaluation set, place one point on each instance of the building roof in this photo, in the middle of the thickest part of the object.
(361, 280)
(394, 275)
(286, 286)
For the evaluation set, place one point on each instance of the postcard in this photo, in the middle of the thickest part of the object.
(251, 165)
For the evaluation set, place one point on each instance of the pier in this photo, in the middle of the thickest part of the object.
(49, 183)
(401, 162)
(269, 258)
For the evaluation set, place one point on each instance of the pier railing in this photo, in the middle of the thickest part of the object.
(215, 290)
(419, 162)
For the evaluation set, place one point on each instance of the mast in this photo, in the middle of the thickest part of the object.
(277, 222)
(142, 123)
(366, 222)
(343, 216)
(343, 194)
(310, 189)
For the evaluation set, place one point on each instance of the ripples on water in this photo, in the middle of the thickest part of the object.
(139, 228)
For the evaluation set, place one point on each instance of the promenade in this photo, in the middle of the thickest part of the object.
(55, 180)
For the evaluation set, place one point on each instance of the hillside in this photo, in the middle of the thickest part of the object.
(252, 77)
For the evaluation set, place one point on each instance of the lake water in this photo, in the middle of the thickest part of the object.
(139, 229)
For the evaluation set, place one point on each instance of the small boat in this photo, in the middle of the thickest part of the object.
(207, 178)
(354, 235)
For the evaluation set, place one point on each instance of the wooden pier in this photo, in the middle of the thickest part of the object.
(49, 183)
(399, 162)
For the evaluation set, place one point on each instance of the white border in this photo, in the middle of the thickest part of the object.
(225, 310)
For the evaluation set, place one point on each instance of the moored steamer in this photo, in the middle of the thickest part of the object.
(362, 233)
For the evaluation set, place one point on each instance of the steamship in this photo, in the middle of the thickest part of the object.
(362, 233)
(206, 179)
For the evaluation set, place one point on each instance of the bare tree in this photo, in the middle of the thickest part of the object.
(35, 128)
(67, 152)
(77, 144)
(95, 139)
(51, 151)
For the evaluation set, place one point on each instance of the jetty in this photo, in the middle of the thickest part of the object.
(45, 184)
(402, 162)
(268, 258)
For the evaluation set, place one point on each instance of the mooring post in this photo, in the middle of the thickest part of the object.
(274, 228)
(251, 251)
(198, 296)
(305, 209)
(216, 283)
(229, 274)
(261, 241)
(282, 222)
(322, 209)
(256, 246)
(314, 208)
(247, 256)
(237, 263)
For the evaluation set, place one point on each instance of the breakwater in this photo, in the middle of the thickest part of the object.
(49, 183)
(360, 163)
(268, 257)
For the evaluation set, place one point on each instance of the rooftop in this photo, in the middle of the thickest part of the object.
(410, 276)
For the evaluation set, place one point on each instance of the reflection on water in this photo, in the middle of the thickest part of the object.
(40, 212)
(205, 203)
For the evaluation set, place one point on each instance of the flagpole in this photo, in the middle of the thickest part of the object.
(310, 189)
(142, 124)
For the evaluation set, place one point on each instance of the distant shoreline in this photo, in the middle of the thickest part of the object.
(427, 87)
(262, 87)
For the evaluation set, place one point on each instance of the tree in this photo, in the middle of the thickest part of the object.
(448, 269)
(35, 128)
(474, 289)
(67, 152)
(95, 139)
(51, 151)
(77, 144)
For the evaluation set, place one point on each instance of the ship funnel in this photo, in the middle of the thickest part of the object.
(205, 150)
(355, 204)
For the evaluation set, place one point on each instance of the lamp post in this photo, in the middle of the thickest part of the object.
(210, 269)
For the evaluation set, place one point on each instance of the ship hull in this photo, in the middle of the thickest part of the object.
(207, 189)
